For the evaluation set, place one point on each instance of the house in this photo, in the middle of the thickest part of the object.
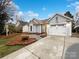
(59, 25)
(19, 25)
(25, 28)
(35, 26)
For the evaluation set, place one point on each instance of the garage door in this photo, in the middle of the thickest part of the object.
(57, 30)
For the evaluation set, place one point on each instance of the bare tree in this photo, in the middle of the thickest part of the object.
(6, 12)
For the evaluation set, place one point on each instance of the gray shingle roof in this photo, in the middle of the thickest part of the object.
(36, 21)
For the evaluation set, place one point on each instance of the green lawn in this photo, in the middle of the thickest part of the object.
(4, 49)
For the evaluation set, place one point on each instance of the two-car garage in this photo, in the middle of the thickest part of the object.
(59, 25)
(57, 30)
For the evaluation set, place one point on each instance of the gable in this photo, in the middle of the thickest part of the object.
(58, 19)
(33, 22)
(38, 22)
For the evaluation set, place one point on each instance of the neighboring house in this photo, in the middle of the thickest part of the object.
(60, 25)
(25, 28)
(19, 25)
(35, 26)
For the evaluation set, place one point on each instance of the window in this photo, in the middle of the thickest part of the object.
(56, 19)
(30, 28)
(61, 24)
(53, 25)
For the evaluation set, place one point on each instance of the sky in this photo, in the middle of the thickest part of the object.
(43, 9)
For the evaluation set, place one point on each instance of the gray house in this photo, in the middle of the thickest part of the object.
(19, 25)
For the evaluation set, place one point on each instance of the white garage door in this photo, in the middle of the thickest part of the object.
(57, 30)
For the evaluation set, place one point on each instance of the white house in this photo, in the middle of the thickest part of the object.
(25, 28)
(56, 25)
(60, 25)
(35, 26)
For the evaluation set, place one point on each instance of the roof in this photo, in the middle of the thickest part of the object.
(36, 21)
(22, 22)
(68, 18)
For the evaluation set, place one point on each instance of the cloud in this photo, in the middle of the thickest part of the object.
(15, 6)
(50, 15)
(32, 14)
(68, 6)
(12, 8)
(74, 5)
(20, 13)
(77, 8)
(27, 16)
(43, 8)
(70, 0)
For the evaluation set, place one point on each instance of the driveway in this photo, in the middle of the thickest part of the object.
(50, 47)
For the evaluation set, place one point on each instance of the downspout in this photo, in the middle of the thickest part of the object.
(46, 29)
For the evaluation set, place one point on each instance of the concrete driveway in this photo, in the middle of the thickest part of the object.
(50, 47)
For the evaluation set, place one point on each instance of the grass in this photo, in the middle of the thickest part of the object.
(4, 49)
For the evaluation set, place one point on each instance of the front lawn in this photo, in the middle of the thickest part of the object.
(4, 49)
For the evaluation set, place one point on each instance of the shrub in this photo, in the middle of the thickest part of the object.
(24, 38)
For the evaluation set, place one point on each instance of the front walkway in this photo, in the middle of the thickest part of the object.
(51, 47)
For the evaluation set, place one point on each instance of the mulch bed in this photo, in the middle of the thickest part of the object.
(9, 36)
(43, 35)
(19, 41)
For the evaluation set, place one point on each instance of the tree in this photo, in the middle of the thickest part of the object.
(73, 21)
(68, 14)
(5, 14)
(12, 28)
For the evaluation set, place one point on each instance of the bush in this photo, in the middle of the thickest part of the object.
(12, 28)
(24, 38)
(43, 35)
